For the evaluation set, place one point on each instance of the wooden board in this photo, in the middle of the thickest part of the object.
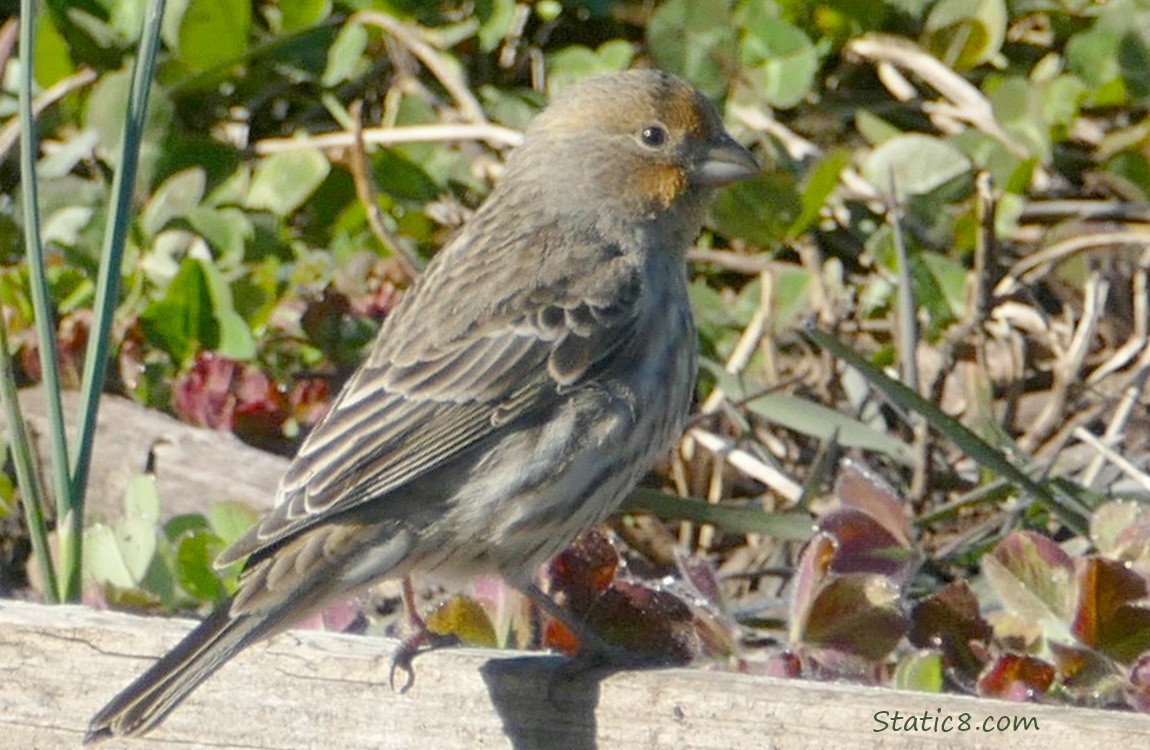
(319, 690)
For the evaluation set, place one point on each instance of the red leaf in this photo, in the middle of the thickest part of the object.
(1105, 617)
(203, 395)
(949, 620)
(859, 487)
(1016, 677)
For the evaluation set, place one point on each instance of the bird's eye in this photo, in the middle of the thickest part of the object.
(653, 136)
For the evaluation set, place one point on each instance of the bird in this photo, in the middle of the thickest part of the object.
(525, 383)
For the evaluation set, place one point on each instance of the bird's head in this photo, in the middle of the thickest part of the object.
(642, 140)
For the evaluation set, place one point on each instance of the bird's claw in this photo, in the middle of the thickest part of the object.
(402, 660)
(425, 640)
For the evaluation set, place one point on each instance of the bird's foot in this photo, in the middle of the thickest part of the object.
(422, 639)
(411, 647)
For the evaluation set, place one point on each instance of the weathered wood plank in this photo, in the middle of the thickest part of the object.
(318, 690)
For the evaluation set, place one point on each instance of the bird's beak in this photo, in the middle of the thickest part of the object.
(726, 162)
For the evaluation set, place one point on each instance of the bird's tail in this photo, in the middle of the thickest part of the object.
(144, 703)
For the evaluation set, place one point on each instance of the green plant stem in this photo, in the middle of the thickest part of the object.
(111, 256)
(45, 319)
(31, 494)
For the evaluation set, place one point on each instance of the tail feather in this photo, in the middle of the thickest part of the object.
(153, 695)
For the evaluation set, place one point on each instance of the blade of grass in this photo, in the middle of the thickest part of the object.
(45, 319)
(111, 257)
(1064, 507)
(31, 493)
(809, 418)
(792, 526)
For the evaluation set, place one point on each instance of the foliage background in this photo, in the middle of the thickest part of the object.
(956, 190)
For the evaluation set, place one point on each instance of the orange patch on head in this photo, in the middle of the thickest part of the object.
(661, 184)
(683, 111)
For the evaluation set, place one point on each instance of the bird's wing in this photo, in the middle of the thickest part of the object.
(432, 389)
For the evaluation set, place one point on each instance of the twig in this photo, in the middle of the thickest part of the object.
(451, 79)
(968, 103)
(1054, 211)
(496, 135)
(1122, 413)
(749, 464)
(745, 348)
(8, 33)
(1113, 456)
(1069, 363)
(751, 265)
(797, 147)
(1032, 266)
(365, 190)
(1140, 301)
(908, 337)
(10, 133)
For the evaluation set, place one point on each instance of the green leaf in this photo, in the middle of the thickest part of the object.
(820, 184)
(121, 554)
(105, 114)
(179, 194)
(498, 18)
(142, 499)
(66, 226)
(345, 57)
(181, 322)
(576, 62)
(989, 153)
(194, 569)
(235, 338)
(299, 14)
(917, 164)
(103, 561)
(779, 60)
(231, 519)
(282, 182)
(1018, 106)
(185, 523)
(1062, 99)
(196, 313)
(127, 18)
(227, 230)
(965, 33)
(1093, 57)
(696, 40)
(213, 32)
(1034, 582)
(792, 297)
(873, 128)
(53, 58)
(949, 280)
(920, 671)
(760, 210)
(136, 532)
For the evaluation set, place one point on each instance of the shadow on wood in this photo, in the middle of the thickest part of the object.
(540, 708)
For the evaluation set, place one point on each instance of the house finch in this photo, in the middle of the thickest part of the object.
(513, 398)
